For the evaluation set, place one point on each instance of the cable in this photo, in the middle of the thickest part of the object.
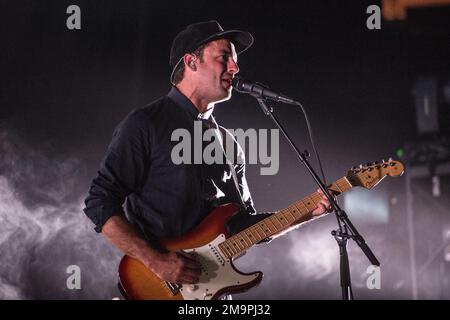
(312, 141)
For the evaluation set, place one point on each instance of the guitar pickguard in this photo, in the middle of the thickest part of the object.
(217, 273)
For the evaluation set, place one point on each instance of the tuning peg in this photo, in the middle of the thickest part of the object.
(375, 163)
(390, 159)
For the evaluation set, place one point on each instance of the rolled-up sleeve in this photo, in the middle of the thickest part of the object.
(122, 169)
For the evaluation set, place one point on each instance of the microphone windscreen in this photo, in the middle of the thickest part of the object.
(236, 83)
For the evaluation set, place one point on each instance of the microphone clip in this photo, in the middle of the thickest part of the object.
(262, 101)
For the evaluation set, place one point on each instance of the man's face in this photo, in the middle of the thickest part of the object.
(215, 72)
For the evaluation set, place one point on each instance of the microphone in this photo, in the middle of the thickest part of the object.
(259, 90)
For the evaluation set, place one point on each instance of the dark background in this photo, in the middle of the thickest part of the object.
(63, 92)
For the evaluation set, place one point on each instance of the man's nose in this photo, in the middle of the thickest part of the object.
(233, 67)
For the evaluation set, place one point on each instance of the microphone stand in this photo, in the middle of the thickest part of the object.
(346, 230)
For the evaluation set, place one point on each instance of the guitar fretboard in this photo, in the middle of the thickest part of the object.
(277, 222)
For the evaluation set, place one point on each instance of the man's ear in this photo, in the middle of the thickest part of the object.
(189, 60)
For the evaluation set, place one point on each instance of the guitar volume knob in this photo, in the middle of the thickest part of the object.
(192, 287)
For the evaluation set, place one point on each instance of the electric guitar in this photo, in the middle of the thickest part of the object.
(215, 250)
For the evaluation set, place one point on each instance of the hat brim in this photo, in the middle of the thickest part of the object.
(242, 40)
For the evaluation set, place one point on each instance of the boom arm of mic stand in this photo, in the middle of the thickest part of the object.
(262, 103)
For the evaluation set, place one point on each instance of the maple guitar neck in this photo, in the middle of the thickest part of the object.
(279, 221)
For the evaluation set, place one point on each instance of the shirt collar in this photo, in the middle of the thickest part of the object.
(182, 101)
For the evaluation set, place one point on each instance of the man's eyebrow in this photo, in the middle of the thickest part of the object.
(225, 51)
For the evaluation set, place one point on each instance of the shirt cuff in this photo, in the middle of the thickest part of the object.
(100, 214)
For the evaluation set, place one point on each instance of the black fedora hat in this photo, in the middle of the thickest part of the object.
(197, 34)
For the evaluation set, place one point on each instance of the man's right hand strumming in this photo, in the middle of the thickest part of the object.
(175, 267)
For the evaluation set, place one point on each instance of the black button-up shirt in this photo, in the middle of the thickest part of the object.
(163, 199)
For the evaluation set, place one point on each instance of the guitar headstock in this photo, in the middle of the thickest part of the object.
(370, 175)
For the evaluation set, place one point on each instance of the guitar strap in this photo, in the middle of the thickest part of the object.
(223, 140)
